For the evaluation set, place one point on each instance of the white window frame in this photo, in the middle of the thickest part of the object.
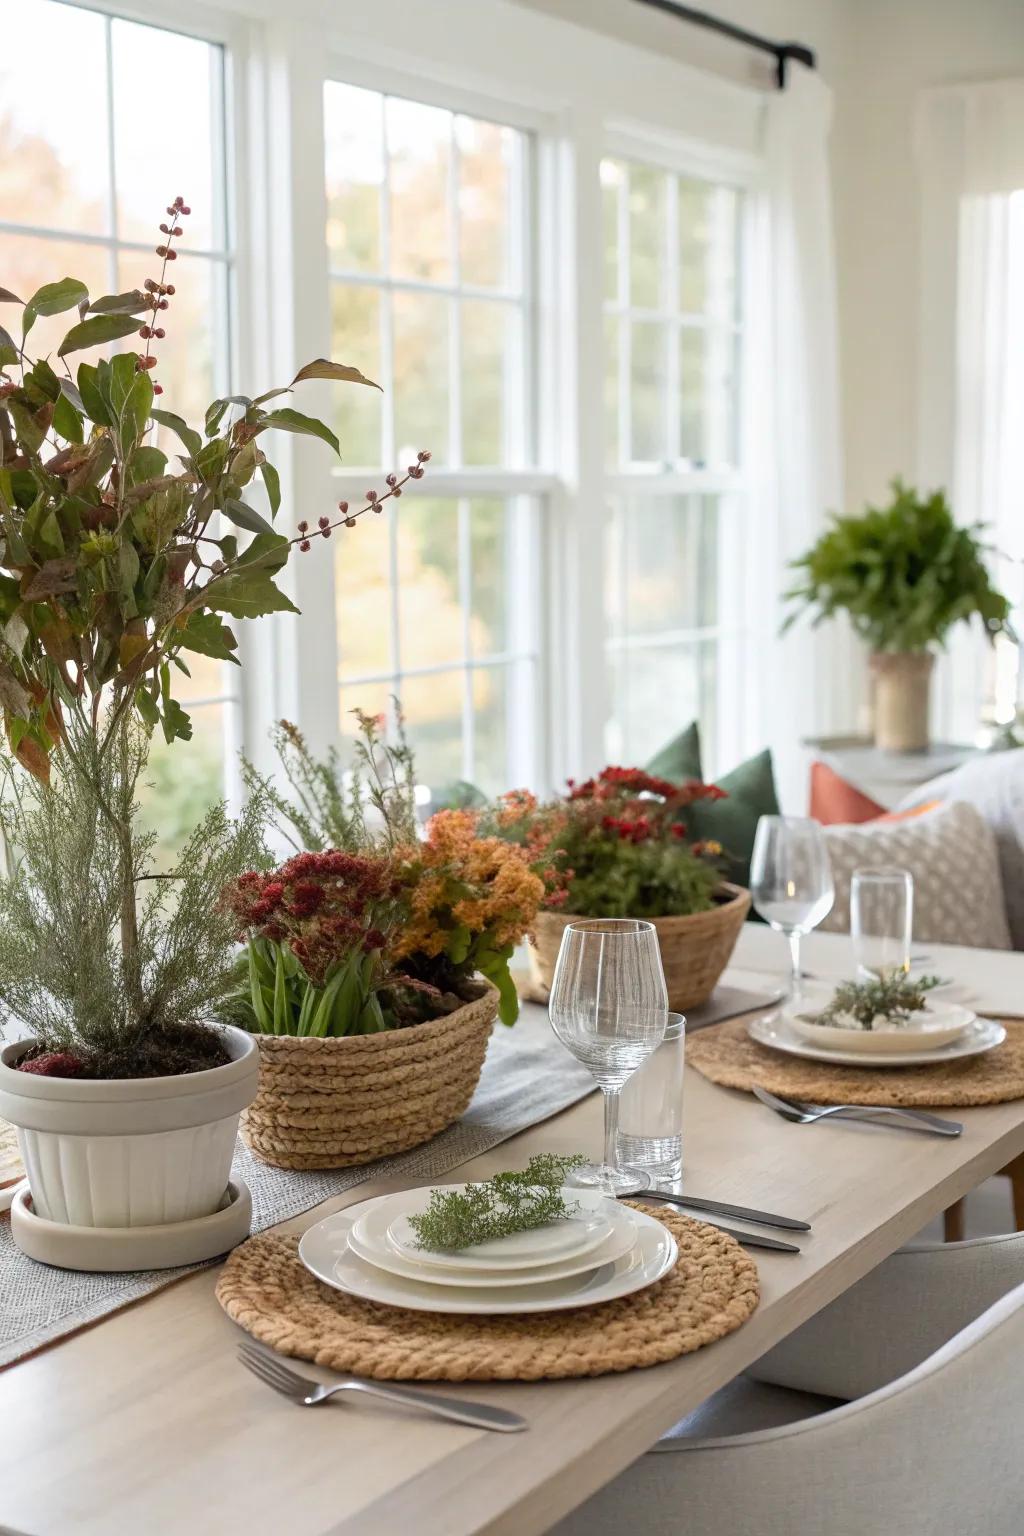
(224, 30)
(682, 157)
(499, 61)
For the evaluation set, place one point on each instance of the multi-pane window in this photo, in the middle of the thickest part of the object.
(427, 215)
(673, 349)
(102, 122)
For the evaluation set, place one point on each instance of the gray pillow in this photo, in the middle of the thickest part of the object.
(994, 784)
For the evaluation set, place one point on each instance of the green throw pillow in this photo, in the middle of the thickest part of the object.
(732, 822)
(680, 759)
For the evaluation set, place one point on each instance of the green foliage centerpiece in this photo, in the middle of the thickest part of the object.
(905, 574)
(119, 560)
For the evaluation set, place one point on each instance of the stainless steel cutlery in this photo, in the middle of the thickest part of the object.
(720, 1208)
(271, 1370)
(910, 1119)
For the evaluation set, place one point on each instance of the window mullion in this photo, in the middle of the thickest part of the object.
(386, 303)
(625, 327)
(465, 560)
(112, 219)
(454, 306)
(670, 301)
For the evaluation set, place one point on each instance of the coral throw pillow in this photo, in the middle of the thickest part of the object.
(835, 800)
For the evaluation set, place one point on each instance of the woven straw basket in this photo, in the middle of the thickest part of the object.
(339, 1102)
(694, 950)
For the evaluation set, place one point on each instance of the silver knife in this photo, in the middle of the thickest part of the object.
(755, 1239)
(746, 1239)
(720, 1208)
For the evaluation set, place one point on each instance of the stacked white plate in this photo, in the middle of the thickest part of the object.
(602, 1251)
(942, 1031)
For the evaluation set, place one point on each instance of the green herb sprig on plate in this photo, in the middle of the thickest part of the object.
(884, 1003)
(507, 1203)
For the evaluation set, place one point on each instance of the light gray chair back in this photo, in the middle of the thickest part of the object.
(936, 1451)
(893, 1319)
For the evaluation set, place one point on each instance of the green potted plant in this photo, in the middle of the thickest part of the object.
(905, 574)
(376, 959)
(618, 846)
(117, 563)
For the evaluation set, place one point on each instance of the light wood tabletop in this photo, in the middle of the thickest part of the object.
(146, 1423)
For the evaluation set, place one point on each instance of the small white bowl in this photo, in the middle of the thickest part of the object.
(938, 1024)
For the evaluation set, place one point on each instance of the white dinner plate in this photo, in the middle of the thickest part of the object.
(774, 1031)
(384, 1222)
(621, 1238)
(325, 1251)
(935, 1025)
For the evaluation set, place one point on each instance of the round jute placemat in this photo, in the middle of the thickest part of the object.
(711, 1291)
(726, 1054)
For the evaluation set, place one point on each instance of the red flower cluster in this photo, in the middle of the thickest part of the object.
(613, 783)
(319, 904)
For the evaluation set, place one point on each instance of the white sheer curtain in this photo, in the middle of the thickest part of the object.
(807, 683)
(971, 146)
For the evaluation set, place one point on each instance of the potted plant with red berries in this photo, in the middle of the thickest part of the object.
(376, 961)
(620, 843)
(118, 563)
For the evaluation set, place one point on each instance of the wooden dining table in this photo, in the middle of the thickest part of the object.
(146, 1425)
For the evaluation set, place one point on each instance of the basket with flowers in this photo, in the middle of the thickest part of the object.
(618, 843)
(374, 971)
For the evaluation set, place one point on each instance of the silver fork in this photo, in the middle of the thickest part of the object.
(806, 1114)
(309, 1394)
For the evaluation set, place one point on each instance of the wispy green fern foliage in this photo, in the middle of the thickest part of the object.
(63, 972)
(371, 805)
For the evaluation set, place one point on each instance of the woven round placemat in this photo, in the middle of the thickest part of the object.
(726, 1054)
(711, 1291)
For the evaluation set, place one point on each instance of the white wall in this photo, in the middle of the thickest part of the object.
(877, 55)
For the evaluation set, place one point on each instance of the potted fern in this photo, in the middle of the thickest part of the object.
(905, 574)
(117, 563)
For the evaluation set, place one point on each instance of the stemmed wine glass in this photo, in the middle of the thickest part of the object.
(609, 1007)
(791, 881)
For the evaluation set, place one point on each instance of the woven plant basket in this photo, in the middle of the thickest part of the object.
(339, 1102)
(694, 950)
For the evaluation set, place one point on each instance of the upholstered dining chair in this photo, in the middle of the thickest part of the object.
(926, 1346)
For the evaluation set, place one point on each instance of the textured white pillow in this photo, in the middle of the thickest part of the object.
(994, 784)
(951, 853)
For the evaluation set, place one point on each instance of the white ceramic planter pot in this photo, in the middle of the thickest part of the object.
(129, 1152)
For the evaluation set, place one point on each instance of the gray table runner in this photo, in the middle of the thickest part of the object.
(527, 1077)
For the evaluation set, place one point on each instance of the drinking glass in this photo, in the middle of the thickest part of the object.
(609, 1007)
(791, 881)
(881, 921)
(651, 1113)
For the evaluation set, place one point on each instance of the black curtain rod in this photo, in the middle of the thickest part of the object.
(780, 52)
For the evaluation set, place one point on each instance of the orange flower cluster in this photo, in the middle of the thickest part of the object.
(464, 888)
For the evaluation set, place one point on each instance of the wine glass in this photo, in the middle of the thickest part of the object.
(791, 881)
(881, 921)
(609, 1007)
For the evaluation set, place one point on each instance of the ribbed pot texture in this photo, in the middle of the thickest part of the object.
(694, 950)
(901, 699)
(341, 1101)
(129, 1152)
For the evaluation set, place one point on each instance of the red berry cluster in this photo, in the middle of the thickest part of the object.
(374, 501)
(159, 293)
